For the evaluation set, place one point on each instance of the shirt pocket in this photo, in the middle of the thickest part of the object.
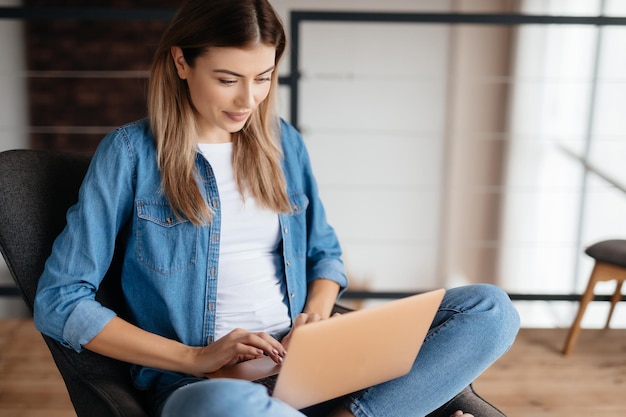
(164, 242)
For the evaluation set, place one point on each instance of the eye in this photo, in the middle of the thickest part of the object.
(263, 79)
(228, 81)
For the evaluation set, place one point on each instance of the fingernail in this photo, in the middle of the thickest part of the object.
(274, 351)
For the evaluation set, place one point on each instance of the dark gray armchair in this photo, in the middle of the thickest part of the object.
(36, 189)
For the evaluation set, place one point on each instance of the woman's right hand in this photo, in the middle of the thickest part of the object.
(237, 346)
(124, 341)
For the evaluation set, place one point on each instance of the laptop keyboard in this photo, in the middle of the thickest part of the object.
(269, 382)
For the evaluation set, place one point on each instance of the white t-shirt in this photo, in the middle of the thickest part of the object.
(250, 285)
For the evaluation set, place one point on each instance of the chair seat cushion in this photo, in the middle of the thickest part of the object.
(609, 251)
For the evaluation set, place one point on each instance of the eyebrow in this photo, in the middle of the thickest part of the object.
(234, 74)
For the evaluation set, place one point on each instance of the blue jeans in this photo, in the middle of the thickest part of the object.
(474, 326)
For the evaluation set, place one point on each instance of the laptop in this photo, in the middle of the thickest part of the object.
(346, 353)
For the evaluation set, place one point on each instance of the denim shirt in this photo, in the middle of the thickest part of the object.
(170, 267)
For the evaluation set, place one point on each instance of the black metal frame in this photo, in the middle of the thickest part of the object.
(390, 295)
(299, 17)
(292, 80)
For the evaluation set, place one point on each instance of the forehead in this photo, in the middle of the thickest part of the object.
(249, 60)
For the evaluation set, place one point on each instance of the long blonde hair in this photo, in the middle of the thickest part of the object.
(197, 26)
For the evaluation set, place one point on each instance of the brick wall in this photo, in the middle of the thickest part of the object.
(86, 77)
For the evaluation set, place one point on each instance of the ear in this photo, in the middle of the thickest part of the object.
(180, 62)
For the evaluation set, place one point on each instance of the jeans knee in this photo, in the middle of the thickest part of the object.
(499, 314)
(487, 309)
(217, 397)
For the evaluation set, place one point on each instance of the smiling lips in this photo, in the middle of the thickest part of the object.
(237, 116)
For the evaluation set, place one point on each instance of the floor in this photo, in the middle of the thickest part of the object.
(535, 380)
(532, 380)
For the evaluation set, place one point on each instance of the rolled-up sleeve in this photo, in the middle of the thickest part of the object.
(65, 307)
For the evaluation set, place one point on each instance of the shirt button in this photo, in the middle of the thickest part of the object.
(288, 263)
(292, 295)
(286, 230)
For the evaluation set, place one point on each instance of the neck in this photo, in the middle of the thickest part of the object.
(212, 135)
(215, 139)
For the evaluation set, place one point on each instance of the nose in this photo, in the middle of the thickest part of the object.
(245, 97)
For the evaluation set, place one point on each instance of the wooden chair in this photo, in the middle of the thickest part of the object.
(610, 265)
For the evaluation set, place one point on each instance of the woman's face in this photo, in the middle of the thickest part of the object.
(226, 85)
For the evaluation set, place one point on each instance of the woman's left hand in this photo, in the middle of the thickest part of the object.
(321, 296)
(301, 320)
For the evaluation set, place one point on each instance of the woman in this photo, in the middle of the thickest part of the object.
(227, 248)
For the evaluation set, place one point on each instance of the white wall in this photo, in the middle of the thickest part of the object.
(13, 107)
(13, 120)
(374, 124)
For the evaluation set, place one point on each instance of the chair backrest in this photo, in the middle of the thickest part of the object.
(36, 189)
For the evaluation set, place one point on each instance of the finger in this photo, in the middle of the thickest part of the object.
(246, 350)
(300, 319)
(305, 318)
(277, 347)
(272, 347)
(240, 352)
(250, 357)
(336, 315)
(312, 318)
(249, 343)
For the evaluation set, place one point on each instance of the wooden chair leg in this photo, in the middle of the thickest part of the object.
(584, 300)
(617, 296)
